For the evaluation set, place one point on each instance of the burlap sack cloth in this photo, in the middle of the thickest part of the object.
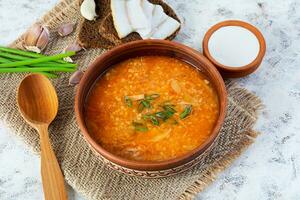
(84, 171)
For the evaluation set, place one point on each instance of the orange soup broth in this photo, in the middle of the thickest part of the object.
(109, 119)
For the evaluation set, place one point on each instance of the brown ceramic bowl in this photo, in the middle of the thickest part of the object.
(141, 48)
(235, 72)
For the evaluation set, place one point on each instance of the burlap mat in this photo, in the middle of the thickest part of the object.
(84, 171)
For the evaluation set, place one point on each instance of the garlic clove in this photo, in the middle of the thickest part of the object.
(36, 38)
(43, 39)
(73, 47)
(75, 78)
(65, 29)
(88, 9)
(32, 35)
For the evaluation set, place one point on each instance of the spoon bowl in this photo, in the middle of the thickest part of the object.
(38, 104)
(34, 107)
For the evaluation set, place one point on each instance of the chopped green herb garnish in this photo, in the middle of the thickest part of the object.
(146, 116)
(169, 110)
(139, 126)
(146, 103)
(187, 111)
(169, 113)
(162, 115)
(166, 113)
(143, 104)
(128, 101)
(151, 97)
(140, 107)
(152, 118)
(154, 121)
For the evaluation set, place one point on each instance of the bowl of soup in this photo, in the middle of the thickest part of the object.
(151, 108)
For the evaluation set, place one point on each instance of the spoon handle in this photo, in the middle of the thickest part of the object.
(52, 178)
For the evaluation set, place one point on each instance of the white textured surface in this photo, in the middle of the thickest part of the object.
(270, 168)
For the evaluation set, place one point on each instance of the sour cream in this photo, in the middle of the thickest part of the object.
(233, 46)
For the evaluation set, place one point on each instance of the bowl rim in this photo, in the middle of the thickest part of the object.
(242, 70)
(151, 165)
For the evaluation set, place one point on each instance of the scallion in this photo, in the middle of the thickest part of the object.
(27, 53)
(38, 69)
(37, 60)
(151, 97)
(128, 101)
(152, 118)
(44, 64)
(139, 126)
(48, 74)
(186, 112)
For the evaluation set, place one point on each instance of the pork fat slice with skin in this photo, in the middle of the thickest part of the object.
(148, 9)
(167, 28)
(138, 19)
(158, 17)
(120, 17)
(140, 16)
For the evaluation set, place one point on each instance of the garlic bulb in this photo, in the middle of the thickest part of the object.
(36, 38)
(88, 9)
(65, 29)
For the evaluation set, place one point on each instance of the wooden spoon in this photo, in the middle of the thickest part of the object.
(38, 104)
